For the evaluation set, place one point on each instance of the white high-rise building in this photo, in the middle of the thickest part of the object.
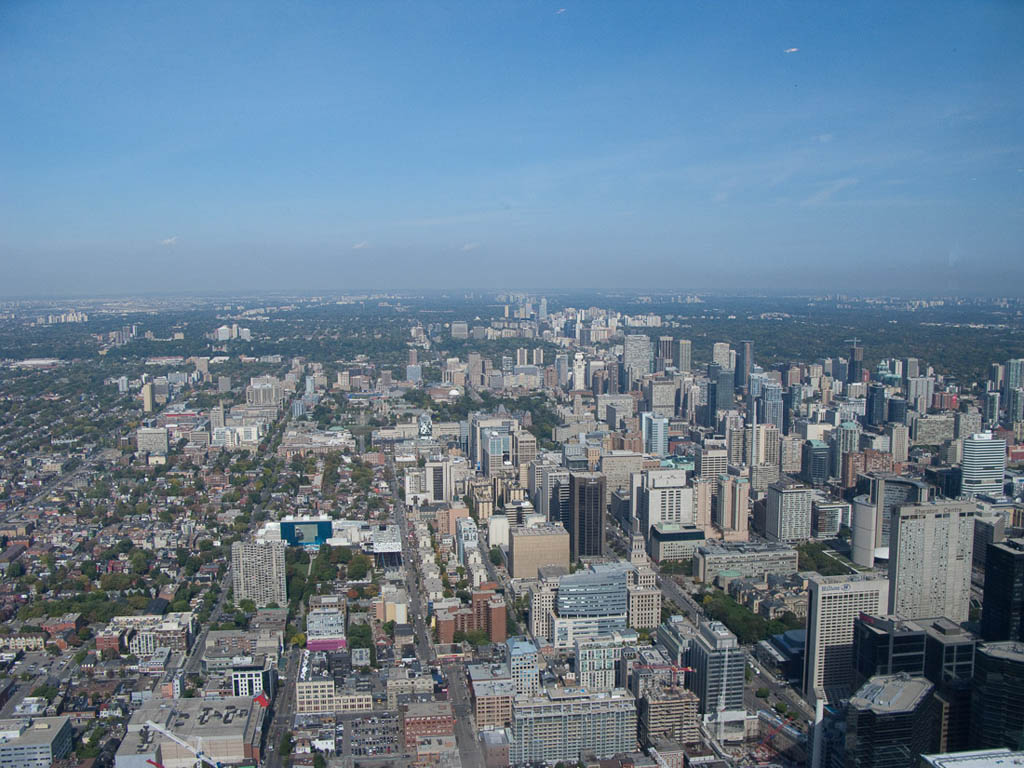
(636, 355)
(258, 572)
(899, 441)
(930, 555)
(596, 662)
(711, 459)
(662, 496)
(522, 662)
(721, 354)
(983, 466)
(719, 665)
(788, 512)
(833, 604)
(683, 355)
(655, 434)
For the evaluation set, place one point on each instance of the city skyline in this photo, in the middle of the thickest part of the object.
(790, 147)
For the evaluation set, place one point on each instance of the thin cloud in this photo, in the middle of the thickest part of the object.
(470, 247)
(560, 11)
(169, 240)
(825, 193)
(360, 245)
(791, 50)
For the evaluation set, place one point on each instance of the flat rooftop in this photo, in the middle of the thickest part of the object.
(891, 693)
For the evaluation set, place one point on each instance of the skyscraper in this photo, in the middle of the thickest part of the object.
(586, 504)
(930, 555)
(983, 466)
(665, 347)
(721, 395)
(258, 572)
(731, 509)
(816, 458)
(744, 364)
(1014, 378)
(522, 662)
(1002, 609)
(636, 355)
(991, 412)
(890, 721)
(720, 354)
(654, 430)
(719, 666)
(834, 603)
(772, 404)
(683, 357)
(788, 512)
(875, 412)
(855, 372)
(997, 706)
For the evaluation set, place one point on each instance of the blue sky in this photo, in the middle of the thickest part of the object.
(705, 145)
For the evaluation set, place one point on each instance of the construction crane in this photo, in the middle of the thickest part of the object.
(201, 758)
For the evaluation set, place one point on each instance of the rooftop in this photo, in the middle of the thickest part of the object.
(30, 731)
(887, 694)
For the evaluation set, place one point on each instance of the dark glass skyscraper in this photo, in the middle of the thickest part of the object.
(816, 460)
(1002, 612)
(586, 505)
(744, 364)
(875, 412)
(997, 706)
(855, 371)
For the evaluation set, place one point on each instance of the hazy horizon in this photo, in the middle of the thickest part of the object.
(782, 148)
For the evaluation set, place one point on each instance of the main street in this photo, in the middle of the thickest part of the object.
(465, 728)
(283, 711)
(424, 648)
(195, 656)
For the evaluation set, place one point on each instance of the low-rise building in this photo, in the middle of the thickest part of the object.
(34, 742)
(746, 559)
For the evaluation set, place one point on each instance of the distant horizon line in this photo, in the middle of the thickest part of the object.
(459, 293)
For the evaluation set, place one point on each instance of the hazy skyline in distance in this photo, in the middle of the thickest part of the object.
(731, 146)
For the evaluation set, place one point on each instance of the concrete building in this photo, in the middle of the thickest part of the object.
(930, 560)
(562, 724)
(749, 560)
(531, 548)
(590, 604)
(834, 603)
(719, 665)
(258, 572)
(151, 440)
(984, 465)
(662, 496)
(975, 758)
(644, 598)
(654, 431)
(596, 662)
(732, 507)
(542, 603)
(788, 512)
(523, 669)
(711, 460)
(35, 742)
(228, 731)
(668, 712)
